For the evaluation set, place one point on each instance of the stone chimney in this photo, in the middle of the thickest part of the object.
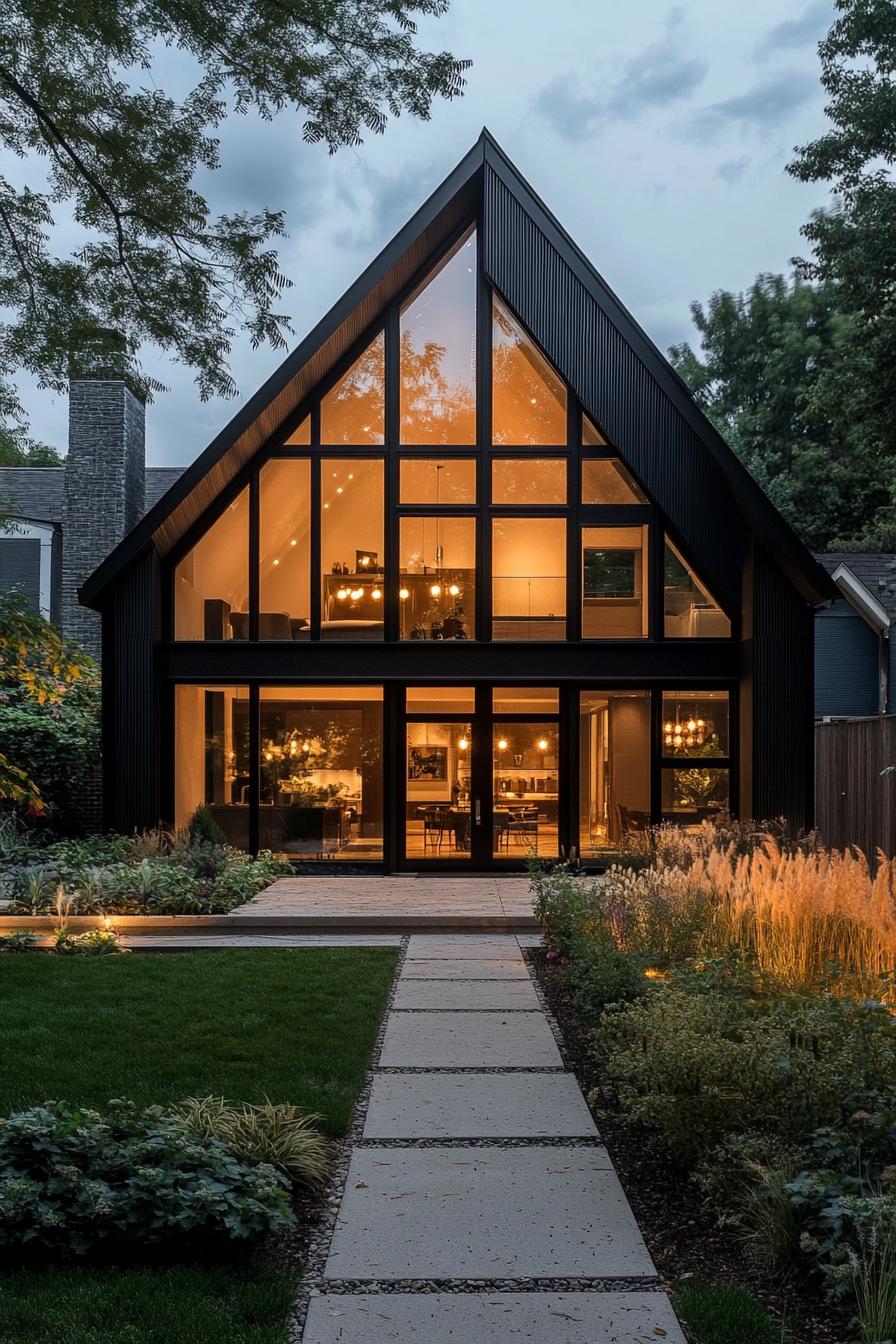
(105, 473)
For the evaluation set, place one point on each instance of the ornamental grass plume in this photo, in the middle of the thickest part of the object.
(279, 1135)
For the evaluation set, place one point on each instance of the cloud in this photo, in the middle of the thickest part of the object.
(762, 107)
(376, 204)
(804, 31)
(732, 170)
(664, 72)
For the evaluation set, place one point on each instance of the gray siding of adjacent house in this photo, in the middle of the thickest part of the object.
(847, 653)
(20, 568)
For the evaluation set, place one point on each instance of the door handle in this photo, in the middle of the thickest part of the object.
(477, 812)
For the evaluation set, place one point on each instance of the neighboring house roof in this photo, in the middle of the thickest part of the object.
(33, 493)
(868, 582)
(617, 355)
(36, 493)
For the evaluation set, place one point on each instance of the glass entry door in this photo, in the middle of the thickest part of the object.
(482, 774)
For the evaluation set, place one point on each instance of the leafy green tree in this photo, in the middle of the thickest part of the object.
(854, 243)
(80, 92)
(49, 711)
(782, 376)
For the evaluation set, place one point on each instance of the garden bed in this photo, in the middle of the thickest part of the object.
(683, 1237)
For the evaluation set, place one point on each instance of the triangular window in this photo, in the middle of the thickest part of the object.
(606, 481)
(689, 612)
(302, 433)
(352, 412)
(438, 353)
(528, 396)
(211, 582)
(591, 435)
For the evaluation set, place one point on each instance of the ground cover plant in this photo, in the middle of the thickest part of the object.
(223, 1056)
(157, 873)
(732, 992)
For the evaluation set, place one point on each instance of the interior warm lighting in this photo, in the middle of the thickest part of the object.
(502, 743)
(276, 562)
(376, 594)
(692, 725)
(542, 744)
(436, 590)
(306, 746)
(357, 594)
(404, 594)
(365, 561)
(339, 489)
(293, 542)
(463, 743)
(453, 590)
(342, 594)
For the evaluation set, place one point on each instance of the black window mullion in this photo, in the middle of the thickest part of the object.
(254, 553)
(656, 593)
(315, 531)
(655, 754)
(254, 768)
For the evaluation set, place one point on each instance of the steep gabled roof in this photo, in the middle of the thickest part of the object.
(594, 342)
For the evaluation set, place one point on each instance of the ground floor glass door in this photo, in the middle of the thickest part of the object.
(482, 777)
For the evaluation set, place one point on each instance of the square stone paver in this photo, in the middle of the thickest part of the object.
(466, 994)
(454, 946)
(468, 1041)
(493, 1318)
(470, 968)
(477, 1106)
(485, 1213)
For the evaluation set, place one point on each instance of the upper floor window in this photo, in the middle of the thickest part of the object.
(528, 395)
(689, 612)
(606, 481)
(614, 582)
(591, 435)
(437, 480)
(530, 480)
(211, 582)
(284, 549)
(438, 353)
(353, 411)
(351, 548)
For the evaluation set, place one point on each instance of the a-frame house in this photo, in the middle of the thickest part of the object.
(471, 576)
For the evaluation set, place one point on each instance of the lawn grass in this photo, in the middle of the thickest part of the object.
(297, 1025)
(294, 1024)
(212, 1304)
(715, 1313)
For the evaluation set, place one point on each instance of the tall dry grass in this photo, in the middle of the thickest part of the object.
(802, 912)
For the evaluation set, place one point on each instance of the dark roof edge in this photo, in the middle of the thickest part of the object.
(139, 538)
(812, 580)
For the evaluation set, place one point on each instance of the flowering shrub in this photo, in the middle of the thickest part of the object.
(73, 1181)
(93, 943)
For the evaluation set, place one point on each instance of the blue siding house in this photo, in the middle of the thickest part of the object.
(855, 655)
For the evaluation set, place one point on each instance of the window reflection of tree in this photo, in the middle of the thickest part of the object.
(352, 411)
(528, 397)
(433, 410)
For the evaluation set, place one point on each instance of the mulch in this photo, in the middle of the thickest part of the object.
(681, 1232)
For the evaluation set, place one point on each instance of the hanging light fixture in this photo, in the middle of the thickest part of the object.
(502, 743)
(542, 744)
(463, 743)
(435, 590)
(404, 594)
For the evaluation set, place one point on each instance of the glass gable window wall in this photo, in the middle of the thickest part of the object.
(358, 535)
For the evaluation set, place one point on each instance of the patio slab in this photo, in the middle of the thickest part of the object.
(446, 968)
(477, 1106)
(469, 1041)
(493, 1318)
(485, 1213)
(422, 946)
(494, 994)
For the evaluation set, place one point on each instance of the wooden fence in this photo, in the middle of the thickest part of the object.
(854, 804)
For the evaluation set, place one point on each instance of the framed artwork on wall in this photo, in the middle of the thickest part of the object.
(428, 763)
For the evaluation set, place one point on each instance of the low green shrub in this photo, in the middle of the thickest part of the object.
(598, 975)
(18, 942)
(696, 1067)
(93, 943)
(717, 1313)
(278, 1134)
(75, 1181)
(203, 828)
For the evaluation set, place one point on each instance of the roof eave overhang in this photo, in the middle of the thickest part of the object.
(861, 599)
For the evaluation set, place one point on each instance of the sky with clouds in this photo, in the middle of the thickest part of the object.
(657, 134)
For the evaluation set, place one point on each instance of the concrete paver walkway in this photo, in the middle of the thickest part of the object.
(479, 1202)
(406, 901)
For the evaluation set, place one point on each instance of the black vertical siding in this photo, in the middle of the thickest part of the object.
(782, 719)
(635, 413)
(131, 727)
